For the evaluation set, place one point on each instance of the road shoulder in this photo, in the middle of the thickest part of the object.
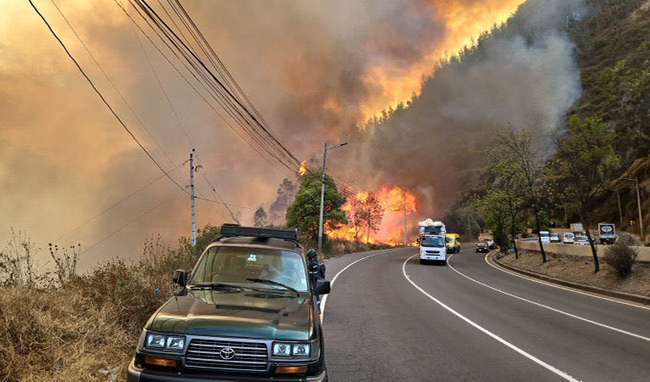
(492, 260)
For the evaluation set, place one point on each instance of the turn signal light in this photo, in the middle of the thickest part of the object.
(160, 362)
(290, 369)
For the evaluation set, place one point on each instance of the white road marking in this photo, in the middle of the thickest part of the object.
(489, 333)
(548, 307)
(543, 282)
(323, 301)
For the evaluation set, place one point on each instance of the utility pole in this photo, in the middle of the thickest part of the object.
(638, 204)
(322, 195)
(404, 212)
(192, 197)
(322, 202)
(620, 211)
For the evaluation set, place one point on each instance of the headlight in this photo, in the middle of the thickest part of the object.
(175, 343)
(155, 341)
(164, 342)
(300, 350)
(282, 349)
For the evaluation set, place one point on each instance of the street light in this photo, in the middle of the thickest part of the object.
(322, 194)
(404, 212)
(638, 203)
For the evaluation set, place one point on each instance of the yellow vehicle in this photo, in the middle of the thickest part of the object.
(453, 243)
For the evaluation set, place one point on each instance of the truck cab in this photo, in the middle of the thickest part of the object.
(433, 248)
(453, 243)
(248, 311)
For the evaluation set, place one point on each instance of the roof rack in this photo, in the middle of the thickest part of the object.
(230, 230)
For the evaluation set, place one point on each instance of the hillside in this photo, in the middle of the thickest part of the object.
(613, 53)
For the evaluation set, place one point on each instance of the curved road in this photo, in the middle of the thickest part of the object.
(389, 318)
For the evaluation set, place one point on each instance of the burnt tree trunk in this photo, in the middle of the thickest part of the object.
(594, 252)
(513, 230)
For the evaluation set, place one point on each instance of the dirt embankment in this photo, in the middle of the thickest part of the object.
(581, 270)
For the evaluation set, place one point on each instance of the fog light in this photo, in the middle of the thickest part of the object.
(290, 369)
(160, 362)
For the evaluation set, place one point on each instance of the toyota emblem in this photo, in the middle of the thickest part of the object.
(227, 353)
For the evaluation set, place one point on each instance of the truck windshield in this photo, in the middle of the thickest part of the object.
(238, 265)
(433, 241)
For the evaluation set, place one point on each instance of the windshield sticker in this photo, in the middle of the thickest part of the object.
(252, 257)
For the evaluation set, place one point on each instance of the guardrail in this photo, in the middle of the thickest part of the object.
(579, 250)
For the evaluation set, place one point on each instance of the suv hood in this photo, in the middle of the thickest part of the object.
(250, 314)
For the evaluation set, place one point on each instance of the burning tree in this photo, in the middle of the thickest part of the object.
(304, 213)
(285, 196)
(366, 214)
(259, 218)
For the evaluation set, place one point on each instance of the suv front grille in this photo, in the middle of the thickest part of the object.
(248, 356)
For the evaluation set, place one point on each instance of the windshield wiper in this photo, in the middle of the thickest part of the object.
(271, 282)
(216, 286)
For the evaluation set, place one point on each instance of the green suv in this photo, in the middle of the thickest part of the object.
(248, 311)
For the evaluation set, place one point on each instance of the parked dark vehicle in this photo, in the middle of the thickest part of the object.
(247, 312)
(482, 246)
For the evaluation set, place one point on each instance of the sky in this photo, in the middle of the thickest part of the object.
(316, 70)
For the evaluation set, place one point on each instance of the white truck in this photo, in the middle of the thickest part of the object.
(432, 239)
(607, 233)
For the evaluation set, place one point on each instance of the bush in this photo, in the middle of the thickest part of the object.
(621, 257)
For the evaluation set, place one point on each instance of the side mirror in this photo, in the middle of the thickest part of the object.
(322, 287)
(321, 270)
(180, 277)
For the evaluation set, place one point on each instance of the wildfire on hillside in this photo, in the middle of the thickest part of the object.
(397, 205)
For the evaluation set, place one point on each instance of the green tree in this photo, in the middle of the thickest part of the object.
(304, 213)
(586, 160)
(259, 218)
(494, 207)
(514, 169)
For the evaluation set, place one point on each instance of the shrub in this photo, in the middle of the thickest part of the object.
(621, 256)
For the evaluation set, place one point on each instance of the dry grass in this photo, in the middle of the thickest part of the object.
(60, 326)
(69, 327)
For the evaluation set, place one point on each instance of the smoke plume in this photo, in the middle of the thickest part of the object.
(316, 70)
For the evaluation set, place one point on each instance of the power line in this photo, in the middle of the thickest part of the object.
(185, 78)
(102, 97)
(129, 222)
(231, 103)
(122, 200)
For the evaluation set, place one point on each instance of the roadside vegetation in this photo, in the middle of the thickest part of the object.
(59, 325)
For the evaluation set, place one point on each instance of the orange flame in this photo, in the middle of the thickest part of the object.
(303, 168)
(395, 201)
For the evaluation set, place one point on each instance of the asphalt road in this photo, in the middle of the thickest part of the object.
(389, 318)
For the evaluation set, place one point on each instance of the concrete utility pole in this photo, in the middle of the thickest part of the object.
(192, 197)
(638, 204)
(620, 211)
(404, 212)
(322, 195)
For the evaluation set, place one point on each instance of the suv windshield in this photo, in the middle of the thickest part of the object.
(433, 241)
(241, 265)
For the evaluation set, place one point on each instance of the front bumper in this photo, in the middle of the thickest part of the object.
(137, 374)
(433, 257)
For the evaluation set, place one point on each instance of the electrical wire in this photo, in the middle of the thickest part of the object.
(101, 96)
